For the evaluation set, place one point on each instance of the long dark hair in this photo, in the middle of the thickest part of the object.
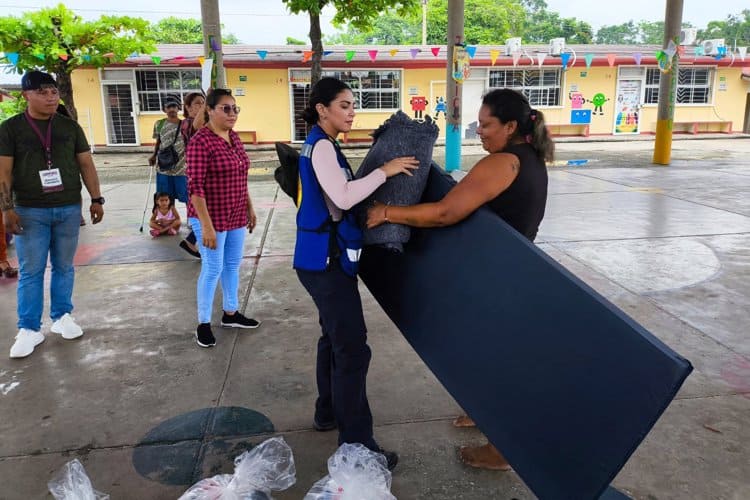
(188, 101)
(323, 93)
(158, 195)
(507, 105)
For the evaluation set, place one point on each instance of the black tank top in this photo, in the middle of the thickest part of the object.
(522, 204)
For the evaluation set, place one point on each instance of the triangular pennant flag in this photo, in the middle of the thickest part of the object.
(611, 59)
(86, 57)
(540, 57)
(671, 49)
(637, 57)
(327, 53)
(743, 52)
(471, 50)
(413, 52)
(564, 58)
(393, 52)
(201, 60)
(12, 57)
(109, 54)
(42, 57)
(516, 54)
(681, 50)
(698, 50)
(134, 54)
(435, 51)
(306, 55)
(494, 53)
(349, 55)
(214, 43)
(261, 53)
(63, 56)
(156, 60)
(178, 58)
(589, 59)
(373, 54)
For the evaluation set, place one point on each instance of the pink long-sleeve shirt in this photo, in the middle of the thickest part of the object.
(339, 192)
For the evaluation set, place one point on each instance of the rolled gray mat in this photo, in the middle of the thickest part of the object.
(398, 136)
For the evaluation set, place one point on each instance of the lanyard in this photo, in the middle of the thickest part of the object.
(46, 141)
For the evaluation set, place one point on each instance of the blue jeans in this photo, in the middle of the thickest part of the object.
(223, 263)
(174, 185)
(46, 232)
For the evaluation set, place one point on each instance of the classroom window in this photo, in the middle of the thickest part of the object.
(378, 90)
(693, 86)
(540, 86)
(155, 87)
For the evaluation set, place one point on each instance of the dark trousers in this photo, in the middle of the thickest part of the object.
(343, 355)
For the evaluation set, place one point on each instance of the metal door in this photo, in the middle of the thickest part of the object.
(119, 114)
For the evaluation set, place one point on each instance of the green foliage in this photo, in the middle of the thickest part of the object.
(388, 29)
(293, 41)
(12, 107)
(177, 30)
(485, 21)
(630, 33)
(735, 29)
(358, 13)
(543, 25)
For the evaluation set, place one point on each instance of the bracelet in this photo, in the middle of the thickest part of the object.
(385, 214)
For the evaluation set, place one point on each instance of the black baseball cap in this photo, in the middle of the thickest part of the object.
(34, 80)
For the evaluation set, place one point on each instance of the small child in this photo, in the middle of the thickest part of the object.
(164, 217)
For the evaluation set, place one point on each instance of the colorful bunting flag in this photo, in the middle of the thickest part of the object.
(261, 53)
(611, 59)
(12, 57)
(743, 52)
(373, 55)
(471, 50)
(349, 55)
(516, 54)
(698, 50)
(681, 50)
(393, 52)
(494, 53)
(327, 53)
(540, 57)
(435, 51)
(134, 54)
(201, 60)
(564, 58)
(637, 57)
(156, 60)
(214, 43)
(42, 57)
(306, 55)
(589, 59)
(63, 56)
(414, 52)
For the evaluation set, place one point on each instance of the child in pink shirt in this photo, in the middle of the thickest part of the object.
(164, 217)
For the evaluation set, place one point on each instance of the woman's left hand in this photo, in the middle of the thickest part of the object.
(252, 220)
(376, 214)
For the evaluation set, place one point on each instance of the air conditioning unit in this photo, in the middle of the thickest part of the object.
(556, 46)
(512, 45)
(711, 47)
(688, 36)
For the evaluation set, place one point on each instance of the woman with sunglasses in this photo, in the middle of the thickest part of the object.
(220, 210)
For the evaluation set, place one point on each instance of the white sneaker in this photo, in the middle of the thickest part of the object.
(66, 327)
(26, 341)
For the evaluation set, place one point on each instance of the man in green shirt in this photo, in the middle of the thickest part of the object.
(43, 157)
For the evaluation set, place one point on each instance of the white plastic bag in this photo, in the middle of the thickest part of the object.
(356, 473)
(72, 483)
(269, 466)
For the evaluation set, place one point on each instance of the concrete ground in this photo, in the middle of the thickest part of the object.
(148, 412)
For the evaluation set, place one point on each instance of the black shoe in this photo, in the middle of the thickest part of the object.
(391, 458)
(324, 426)
(238, 320)
(184, 245)
(204, 336)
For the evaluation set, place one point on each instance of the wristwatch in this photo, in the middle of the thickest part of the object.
(99, 200)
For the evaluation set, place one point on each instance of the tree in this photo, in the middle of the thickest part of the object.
(618, 34)
(11, 107)
(388, 29)
(735, 29)
(58, 41)
(294, 41)
(359, 13)
(485, 21)
(177, 30)
(543, 25)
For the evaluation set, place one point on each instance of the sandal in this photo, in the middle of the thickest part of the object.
(7, 270)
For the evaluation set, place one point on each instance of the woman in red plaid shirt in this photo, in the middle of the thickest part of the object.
(219, 211)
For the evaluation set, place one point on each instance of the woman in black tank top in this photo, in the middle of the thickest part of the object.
(511, 180)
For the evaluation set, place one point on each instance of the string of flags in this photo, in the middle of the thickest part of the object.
(663, 57)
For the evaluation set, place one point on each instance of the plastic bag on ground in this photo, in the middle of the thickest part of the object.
(355, 473)
(72, 483)
(267, 467)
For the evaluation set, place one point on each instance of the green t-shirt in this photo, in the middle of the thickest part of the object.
(19, 141)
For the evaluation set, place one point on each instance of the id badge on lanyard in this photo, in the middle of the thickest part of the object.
(50, 177)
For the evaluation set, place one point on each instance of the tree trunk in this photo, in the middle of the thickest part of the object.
(317, 48)
(65, 86)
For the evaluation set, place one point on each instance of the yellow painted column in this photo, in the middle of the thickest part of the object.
(668, 83)
(663, 142)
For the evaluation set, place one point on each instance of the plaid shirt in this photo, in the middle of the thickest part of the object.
(217, 172)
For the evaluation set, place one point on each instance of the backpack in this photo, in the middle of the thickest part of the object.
(287, 175)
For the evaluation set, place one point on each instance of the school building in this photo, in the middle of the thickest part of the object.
(582, 89)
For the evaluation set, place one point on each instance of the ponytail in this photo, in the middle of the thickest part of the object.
(539, 137)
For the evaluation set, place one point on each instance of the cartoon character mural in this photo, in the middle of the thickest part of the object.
(418, 105)
(598, 101)
(440, 107)
(576, 100)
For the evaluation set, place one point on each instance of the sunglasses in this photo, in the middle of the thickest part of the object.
(226, 108)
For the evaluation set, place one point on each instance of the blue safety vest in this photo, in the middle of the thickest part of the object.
(320, 240)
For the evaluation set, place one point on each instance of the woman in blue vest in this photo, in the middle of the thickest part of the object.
(511, 181)
(326, 256)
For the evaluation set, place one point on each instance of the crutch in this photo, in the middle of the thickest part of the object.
(148, 194)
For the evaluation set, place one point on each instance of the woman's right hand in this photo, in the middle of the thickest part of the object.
(208, 236)
(402, 165)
